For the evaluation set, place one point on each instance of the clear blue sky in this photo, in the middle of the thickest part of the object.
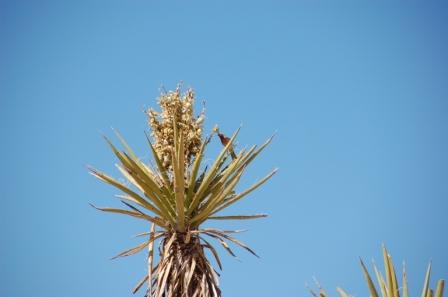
(357, 91)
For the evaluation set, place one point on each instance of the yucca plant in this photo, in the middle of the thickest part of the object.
(177, 194)
(387, 283)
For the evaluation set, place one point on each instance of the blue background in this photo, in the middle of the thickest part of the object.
(357, 91)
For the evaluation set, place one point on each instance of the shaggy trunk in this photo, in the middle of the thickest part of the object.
(183, 269)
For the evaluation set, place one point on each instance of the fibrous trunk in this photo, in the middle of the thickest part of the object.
(183, 269)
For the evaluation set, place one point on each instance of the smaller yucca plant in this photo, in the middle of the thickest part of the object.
(178, 194)
(387, 283)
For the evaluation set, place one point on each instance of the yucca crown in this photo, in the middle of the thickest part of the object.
(178, 194)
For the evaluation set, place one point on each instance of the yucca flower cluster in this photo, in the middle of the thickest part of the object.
(176, 109)
(178, 194)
